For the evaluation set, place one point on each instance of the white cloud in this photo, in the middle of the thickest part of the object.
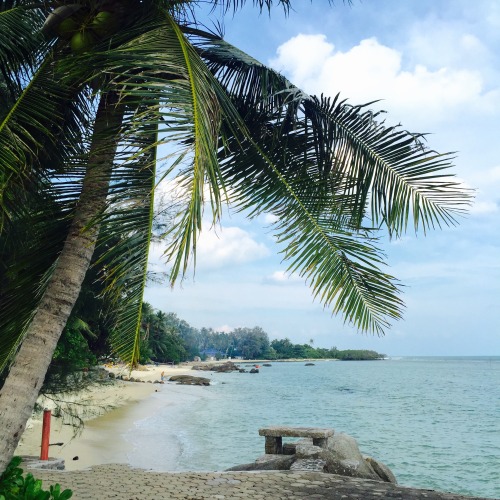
(229, 245)
(282, 278)
(270, 219)
(215, 249)
(371, 71)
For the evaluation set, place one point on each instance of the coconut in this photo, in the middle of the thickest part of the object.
(104, 23)
(67, 28)
(82, 41)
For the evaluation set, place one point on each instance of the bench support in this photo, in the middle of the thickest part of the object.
(274, 445)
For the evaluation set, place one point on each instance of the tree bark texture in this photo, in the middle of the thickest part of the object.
(26, 375)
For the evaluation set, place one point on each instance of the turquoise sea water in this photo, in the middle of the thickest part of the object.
(434, 421)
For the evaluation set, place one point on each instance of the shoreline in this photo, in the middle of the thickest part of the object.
(109, 412)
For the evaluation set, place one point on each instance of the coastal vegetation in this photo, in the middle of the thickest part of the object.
(165, 338)
(81, 120)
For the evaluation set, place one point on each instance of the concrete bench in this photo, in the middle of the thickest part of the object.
(274, 436)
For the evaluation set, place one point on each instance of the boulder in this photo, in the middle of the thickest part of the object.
(267, 364)
(189, 380)
(382, 471)
(309, 364)
(343, 457)
(254, 370)
(216, 367)
(305, 449)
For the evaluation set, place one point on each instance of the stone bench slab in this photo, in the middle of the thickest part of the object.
(286, 431)
(274, 436)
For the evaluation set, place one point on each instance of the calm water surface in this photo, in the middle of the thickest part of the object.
(434, 421)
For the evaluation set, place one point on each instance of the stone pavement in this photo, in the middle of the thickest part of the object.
(121, 482)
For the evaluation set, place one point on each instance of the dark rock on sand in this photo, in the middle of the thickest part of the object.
(189, 380)
(214, 367)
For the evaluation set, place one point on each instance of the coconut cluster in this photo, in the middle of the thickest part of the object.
(82, 27)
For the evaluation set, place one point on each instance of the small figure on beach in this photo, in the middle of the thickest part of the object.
(162, 376)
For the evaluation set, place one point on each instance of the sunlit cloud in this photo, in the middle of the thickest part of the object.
(370, 71)
(282, 278)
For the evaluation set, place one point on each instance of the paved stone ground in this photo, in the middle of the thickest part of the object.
(121, 482)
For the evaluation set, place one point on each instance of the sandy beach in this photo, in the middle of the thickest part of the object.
(108, 411)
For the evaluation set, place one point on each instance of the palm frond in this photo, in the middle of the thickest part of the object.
(317, 163)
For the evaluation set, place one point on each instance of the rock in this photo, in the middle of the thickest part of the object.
(111, 375)
(215, 367)
(306, 449)
(382, 471)
(343, 457)
(241, 370)
(189, 380)
(131, 379)
(267, 364)
(309, 364)
(254, 370)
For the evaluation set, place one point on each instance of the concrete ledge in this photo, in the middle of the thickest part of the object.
(286, 431)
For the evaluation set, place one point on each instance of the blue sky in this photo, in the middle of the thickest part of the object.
(435, 66)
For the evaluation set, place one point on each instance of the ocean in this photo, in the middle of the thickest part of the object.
(434, 421)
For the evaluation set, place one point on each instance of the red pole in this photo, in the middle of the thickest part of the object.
(44, 453)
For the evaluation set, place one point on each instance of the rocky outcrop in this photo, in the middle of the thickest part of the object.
(189, 380)
(341, 456)
(217, 367)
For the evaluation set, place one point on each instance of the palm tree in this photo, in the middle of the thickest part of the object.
(90, 91)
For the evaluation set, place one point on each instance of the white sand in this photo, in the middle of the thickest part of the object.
(101, 440)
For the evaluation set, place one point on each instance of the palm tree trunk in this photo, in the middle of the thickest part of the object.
(22, 385)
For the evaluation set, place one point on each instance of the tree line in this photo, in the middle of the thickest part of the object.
(167, 338)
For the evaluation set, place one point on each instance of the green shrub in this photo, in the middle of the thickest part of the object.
(13, 485)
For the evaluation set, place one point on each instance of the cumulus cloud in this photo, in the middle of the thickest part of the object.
(371, 71)
(282, 278)
(230, 245)
(215, 249)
